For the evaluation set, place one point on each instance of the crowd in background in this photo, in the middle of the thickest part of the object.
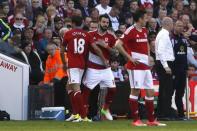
(28, 27)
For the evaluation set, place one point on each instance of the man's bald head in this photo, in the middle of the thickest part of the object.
(167, 23)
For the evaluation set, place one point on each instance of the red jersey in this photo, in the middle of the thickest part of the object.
(77, 42)
(136, 44)
(94, 61)
(144, 4)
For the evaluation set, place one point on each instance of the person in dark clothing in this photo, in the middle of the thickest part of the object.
(83, 7)
(161, 4)
(180, 50)
(4, 30)
(58, 25)
(33, 59)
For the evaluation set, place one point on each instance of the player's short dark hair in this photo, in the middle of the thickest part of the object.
(133, 1)
(94, 21)
(103, 16)
(77, 20)
(138, 14)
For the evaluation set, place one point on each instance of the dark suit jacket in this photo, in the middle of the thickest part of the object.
(84, 14)
(91, 3)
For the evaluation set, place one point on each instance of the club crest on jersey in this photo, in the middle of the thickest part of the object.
(106, 39)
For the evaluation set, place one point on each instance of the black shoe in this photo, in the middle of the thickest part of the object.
(165, 119)
(182, 118)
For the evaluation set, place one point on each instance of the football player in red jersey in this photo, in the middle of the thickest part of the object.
(135, 41)
(78, 42)
(97, 72)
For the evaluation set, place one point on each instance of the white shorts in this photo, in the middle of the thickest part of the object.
(140, 79)
(103, 77)
(75, 75)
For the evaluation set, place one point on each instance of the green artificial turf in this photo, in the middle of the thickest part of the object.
(118, 125)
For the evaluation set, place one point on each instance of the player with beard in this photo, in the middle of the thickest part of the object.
(97, 72)
(135, 41)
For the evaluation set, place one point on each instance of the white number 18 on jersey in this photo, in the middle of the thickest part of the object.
(79, 45)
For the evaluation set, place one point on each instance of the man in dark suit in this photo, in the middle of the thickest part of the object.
(93, 3)
(83, 6)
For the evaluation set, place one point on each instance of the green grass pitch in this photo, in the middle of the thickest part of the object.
(118, 125)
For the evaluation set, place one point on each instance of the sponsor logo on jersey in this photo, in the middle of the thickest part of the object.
(141, 40)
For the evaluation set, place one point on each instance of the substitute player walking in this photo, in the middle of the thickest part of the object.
(137, 52)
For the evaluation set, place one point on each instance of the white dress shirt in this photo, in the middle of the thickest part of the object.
(114, 22)
(163, 47)
(103, 10)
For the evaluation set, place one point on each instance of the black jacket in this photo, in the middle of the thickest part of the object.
(180, 51)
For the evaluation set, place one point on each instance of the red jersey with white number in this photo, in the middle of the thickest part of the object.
(94, 61)
(77, 42)
(136, 44)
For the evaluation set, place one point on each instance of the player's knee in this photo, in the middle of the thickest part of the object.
(75, 87)
(135, 92)
(150, 93)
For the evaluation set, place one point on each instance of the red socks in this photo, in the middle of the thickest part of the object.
(86, 93)
(150, 108)
(133, 101)
(80, 104)
(72, 102)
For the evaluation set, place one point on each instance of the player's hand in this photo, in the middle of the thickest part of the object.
(168, 70)
(102, 43)
(106, 63)
(134, 61)
(151, 61)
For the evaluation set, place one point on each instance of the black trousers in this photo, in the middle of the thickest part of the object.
(165, 90)
(61, 97)
(93, 102)
(179, 88)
